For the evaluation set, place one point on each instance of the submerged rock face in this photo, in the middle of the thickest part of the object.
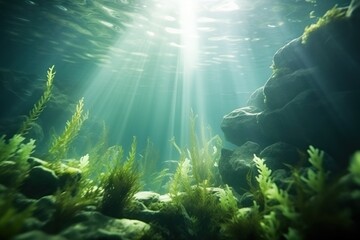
(313, 95)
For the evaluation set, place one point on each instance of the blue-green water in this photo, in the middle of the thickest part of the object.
(141, 66)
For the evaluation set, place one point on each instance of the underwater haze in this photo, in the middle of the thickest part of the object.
(142, 66)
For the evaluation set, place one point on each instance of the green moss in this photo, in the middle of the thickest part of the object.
(334, 14)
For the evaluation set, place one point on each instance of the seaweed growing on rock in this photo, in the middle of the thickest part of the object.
(120, 184)
(302, 204)
(334, 14)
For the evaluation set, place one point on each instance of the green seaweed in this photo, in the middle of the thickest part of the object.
(120, 185)
(12, 219)
(354, 167)
(305, 205)
(243, 224)
(275, 201)
(181, 181)
(151, 178)
(60, 145)
(40, 105)
(198, 163)
(203, 212)
(315, 177)
(71, 200)
(14, 154)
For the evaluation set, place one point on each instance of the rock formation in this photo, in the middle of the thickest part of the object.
(312, 97)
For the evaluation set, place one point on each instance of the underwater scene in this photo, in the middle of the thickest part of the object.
(179, 119)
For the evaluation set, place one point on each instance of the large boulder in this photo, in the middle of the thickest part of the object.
(313, 95)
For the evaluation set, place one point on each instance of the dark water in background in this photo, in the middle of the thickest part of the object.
(143, 65)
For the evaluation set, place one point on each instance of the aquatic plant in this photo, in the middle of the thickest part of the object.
(211, 213)
(238, 222)
(315, 177)
(148, 165)
(12, 220)
(71, 200)
(60, 145)
(203, 158)
(202, 210)
(243, 224)
(275, 200)
(354, 167)
(308, 206)
(14, 154)
(15, 149)
(305, 206)
(98, 154)
(181, 181)
(334, 14)
(197, 163)
(40, 105)
(120, 185)
(190, 185)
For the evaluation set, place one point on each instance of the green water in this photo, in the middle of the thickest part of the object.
(142, 66)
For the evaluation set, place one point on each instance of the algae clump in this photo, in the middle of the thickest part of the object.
(120, 185)
(332, 15)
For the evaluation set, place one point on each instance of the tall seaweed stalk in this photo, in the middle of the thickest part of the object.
(40, 105)
(60, 145)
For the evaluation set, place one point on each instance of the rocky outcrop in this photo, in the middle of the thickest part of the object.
(312, 97)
